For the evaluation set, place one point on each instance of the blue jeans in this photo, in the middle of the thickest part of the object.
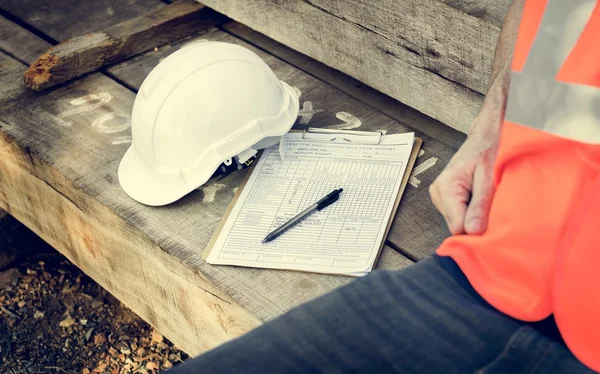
(423, 319)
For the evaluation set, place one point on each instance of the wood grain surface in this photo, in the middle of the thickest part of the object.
(433, 55)
(83, 54)
(66, 19)
(59, 152)
(20, 43)
(368, 95)
(418, 228)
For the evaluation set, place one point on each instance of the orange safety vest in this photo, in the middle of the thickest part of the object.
(540, 253)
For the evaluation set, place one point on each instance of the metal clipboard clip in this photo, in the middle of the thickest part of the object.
(339, 135)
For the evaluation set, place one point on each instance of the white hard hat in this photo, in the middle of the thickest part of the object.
(200, 107)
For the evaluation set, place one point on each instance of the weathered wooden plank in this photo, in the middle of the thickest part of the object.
(36, 148)
(430, 55)
(59, 152)
(418, 228)
(492, 11)
(65, 19)
(83, 54)
(378, 100)
(17, 41)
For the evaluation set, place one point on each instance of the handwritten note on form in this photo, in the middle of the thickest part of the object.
(345, 237)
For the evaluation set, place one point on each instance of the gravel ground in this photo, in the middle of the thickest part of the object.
(55, 319)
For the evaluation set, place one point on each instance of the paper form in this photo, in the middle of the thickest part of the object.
(343, 238)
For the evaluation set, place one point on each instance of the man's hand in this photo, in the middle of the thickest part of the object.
(463, 191)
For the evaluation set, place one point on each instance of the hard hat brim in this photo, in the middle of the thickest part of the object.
(141, 186)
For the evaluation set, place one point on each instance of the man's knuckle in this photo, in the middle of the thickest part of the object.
(432, 188)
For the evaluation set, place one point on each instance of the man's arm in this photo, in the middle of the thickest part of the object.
(497, 89)
(464, 190)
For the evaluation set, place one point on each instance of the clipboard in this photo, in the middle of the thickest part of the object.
(375, 137)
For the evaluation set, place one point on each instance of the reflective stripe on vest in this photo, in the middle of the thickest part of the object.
(537, 98)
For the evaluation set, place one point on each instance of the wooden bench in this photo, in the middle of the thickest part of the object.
(60, 149)
(441, 49)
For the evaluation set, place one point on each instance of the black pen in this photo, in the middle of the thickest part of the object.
(324, 202)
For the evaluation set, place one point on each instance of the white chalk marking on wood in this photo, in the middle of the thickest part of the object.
(350, 122)
(421, 168)
(84, 104)
(307, 112)
(211, 191)
(122, 140)
(414, 182)
(421, 153)
(100, 124)
(101, 98)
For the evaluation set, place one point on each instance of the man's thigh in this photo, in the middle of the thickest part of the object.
(421, 319)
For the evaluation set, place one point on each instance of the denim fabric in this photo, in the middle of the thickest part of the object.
(423, 319)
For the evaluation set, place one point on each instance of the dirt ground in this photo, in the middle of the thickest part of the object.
(55, 319)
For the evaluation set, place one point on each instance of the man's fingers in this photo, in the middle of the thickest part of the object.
(455, 208)
(481, 199)
(451, 201)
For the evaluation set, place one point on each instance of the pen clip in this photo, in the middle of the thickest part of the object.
(331, 198)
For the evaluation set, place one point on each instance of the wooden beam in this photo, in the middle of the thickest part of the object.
(433, 55)
(18, 43)
(328, 104)
(376, 99)
(59, 153)
(492, 11)
(418, 228)
(81, 55)
(65, 19)
(179, 302)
